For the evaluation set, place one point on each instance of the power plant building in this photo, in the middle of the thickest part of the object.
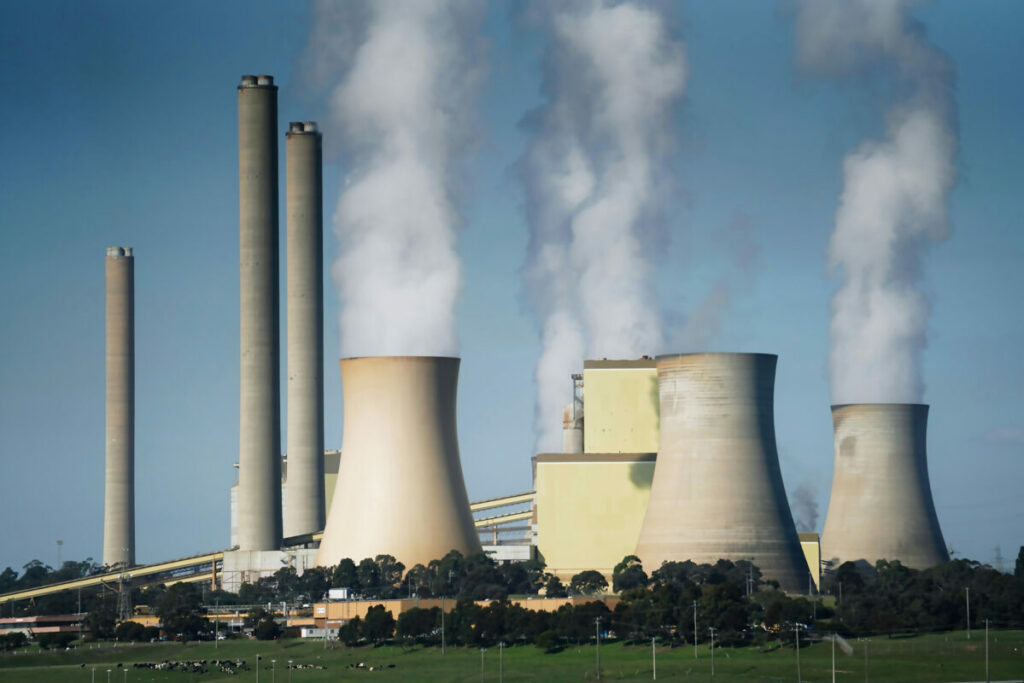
(881, 503)
(590, 504)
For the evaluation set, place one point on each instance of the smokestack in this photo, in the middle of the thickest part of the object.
(259, 442)
(119, 504)
(717, 491)
(304, 180)
(400, 489)
(881, 505)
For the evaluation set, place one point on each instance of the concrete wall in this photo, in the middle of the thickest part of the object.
(717, 491)
(590, 508)
(881, 503)
(400, 489)
(621, 406)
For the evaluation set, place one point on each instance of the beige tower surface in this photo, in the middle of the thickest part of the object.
(881, 504)
(400, 489)
(304, 512)
(259, 434)
(717, 491)
(119, 505)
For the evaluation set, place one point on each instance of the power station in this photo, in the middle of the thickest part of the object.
(672, 459)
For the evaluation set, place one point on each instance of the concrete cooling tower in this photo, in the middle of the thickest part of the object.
(717, 491)
(119, 504)
(881, 505)
(400, 489)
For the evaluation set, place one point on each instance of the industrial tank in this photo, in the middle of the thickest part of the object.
(881, 504)
(717, 491)
(400, 489)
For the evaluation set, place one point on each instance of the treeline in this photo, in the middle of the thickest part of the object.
(891, 598)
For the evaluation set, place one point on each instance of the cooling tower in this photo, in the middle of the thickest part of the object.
(400, 489)
(717, 491)
(119, 503)
(304, 513)
(259, 437)
(881, 505)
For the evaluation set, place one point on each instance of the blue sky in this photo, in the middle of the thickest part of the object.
(118, 126)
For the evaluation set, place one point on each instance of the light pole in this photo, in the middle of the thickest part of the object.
(695, 629)
(712, 630)
(597, 629)
(108, 675)
(987, 678)
(654, 661)
(257, 668)
(501, 662)
(289, 671)
(482, 651)
(273, 671)
(59, 563)
(796, 630)
(442, 624)
(968, 590)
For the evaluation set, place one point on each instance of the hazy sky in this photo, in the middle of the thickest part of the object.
(118, 126)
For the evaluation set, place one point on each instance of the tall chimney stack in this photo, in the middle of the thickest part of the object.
(259, 442)
(305, 510)
(119, 504)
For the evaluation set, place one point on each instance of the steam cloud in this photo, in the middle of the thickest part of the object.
(402, 76)
(804, 505)
(595, 181)
(894, 200)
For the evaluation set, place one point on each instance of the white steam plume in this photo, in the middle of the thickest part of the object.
(595, 182)
(894, 200)
(402, 77)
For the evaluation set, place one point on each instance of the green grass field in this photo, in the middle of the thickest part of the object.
(937, 657)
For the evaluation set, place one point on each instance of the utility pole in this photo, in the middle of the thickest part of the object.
(482, 651)
(216, 626)
(865, 661)
(968, 613)
(695, 629)
(501, 663)
(442, 624)
(712, 630)
(597, 631)
(796, 630)
(987, 678)
(654, 661)
(833, 658)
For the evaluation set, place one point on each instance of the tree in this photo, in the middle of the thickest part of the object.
(589, 582)
(1018, 569)
(181, 611)
(101, 619)
(629, 573)
(378, 625)
(369, 577)
(554, 588)
(418, 623)
(346, 576)
(351, 631)
(389, 574)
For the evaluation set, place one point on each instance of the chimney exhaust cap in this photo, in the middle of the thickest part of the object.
(119, 252)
